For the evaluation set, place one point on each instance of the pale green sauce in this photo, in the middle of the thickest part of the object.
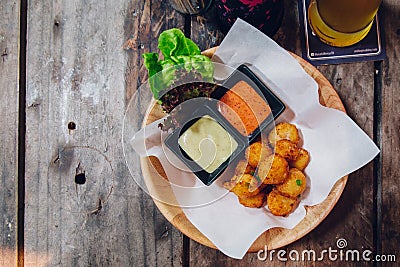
(207, 143)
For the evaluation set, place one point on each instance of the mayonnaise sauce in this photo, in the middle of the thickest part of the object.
(207, 143)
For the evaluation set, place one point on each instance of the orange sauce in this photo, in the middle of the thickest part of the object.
(244, 108)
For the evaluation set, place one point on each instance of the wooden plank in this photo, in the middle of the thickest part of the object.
(78, 71)
(9, 84)
(288, 34)
(204, 30)
(352, 217)
(156, 17)
(390, 131)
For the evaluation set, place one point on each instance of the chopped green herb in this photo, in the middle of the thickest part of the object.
(298, 182)
(258, 178)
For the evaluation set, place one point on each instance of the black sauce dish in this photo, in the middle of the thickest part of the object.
(207, 110)
(243, 73)
(209, 107)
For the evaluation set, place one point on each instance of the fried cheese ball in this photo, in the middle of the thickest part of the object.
(273, 170)
(245, 187)
(256, 201)
(286, 149)
(281, 205)
(256, 152)
(243, 167)
(302, 160)
(286, 131)
(294, 185)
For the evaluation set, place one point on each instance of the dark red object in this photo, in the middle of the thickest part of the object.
(266, 15)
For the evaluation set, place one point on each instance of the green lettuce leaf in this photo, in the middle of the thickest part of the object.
(201, 64)
(177, 50)
(153, 67)
(173, 43)
(151, 63)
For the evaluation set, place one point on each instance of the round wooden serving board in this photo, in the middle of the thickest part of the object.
(274, 238)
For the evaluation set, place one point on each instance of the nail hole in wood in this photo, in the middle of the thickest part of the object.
(80, 178)
(71, 125)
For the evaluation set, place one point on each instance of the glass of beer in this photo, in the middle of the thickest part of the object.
(342, 22)
(190, 7)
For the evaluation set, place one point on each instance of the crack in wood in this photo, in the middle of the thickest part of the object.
(164, 233)
(4, 55)
(56, 159)
(34, 105)
(97, 209)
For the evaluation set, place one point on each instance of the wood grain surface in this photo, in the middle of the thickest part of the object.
(9, 88)
(80, 71)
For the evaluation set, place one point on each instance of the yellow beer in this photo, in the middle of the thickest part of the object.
(342, 22)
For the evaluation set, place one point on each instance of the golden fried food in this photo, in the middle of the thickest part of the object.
(273, 170)
(286, 149)
(302, 160)
(256, 201)
(243, 167)
(245, 187)
(256, 152)
(272, 176)
(294, 185)
(281, 205)
(286, 131)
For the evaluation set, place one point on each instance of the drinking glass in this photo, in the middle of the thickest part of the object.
(342, 22)
(190, 7)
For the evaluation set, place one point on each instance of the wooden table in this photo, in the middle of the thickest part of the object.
(64, 89)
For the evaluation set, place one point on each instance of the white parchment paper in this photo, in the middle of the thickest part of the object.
(336, 144)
